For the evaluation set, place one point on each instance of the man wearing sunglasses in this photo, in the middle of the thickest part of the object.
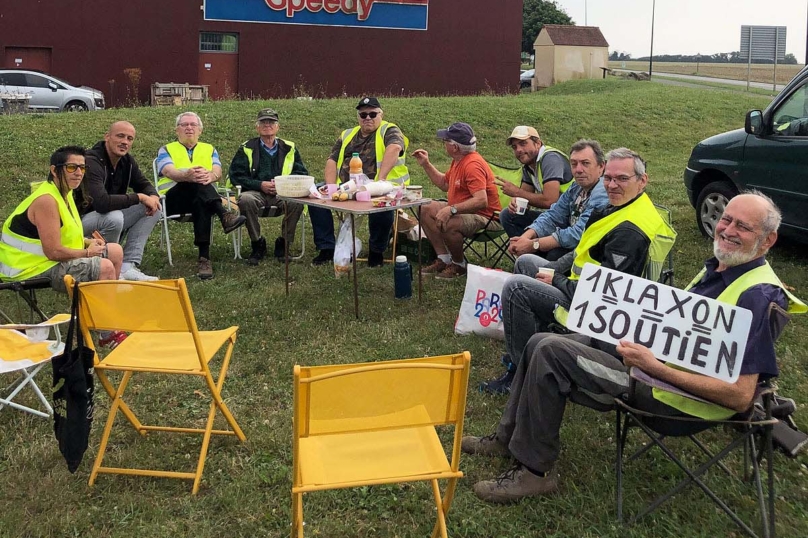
(113, 210)
(381, 145)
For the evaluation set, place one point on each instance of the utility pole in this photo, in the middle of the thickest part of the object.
(651, 62)
(586, 15)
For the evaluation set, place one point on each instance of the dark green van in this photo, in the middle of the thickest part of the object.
(769, 154)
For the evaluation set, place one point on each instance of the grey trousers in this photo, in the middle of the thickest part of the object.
(527, 304)
(554, 369)
(131, 222)
(252, 203)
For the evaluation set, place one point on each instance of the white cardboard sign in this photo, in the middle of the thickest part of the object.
(697, 333)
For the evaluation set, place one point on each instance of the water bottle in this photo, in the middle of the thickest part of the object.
(403, 278)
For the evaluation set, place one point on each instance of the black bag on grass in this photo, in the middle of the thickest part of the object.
(73, 392)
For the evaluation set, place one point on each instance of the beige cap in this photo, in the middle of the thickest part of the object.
(522, 132)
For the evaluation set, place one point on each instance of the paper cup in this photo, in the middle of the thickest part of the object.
(331, 188)
(547, 271)
(363, 196)
(521, 206)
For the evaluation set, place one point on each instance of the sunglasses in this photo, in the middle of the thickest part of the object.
(72, 167)
(371, 115)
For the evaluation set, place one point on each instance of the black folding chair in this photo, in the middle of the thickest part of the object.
(26, 290)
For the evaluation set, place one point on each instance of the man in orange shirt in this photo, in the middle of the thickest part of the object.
(473, 199)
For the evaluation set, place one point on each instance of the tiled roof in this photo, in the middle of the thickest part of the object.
(576, 36)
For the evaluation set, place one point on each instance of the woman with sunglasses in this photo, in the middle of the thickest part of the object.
(43, 237)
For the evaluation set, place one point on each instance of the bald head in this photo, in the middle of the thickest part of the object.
(118, 140)
(747, 229)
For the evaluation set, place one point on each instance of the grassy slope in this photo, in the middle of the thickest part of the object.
(246, 488)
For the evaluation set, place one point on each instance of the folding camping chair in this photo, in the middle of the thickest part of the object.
(752, 430)
(492, 235)
(163, 339)
(26, 290)
(24, 348)
(374, 423)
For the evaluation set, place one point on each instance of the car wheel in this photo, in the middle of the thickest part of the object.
(710, 205)
(75, 106)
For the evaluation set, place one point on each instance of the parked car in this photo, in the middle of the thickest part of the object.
(525, 77)
(48, 93)
(769, 154)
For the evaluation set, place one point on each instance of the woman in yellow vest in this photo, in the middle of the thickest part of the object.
(43, 237)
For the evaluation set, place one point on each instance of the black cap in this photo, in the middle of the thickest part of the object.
(267, 114)
(371, 102)
(459, 132)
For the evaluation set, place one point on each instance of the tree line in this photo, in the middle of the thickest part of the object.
(717, 58)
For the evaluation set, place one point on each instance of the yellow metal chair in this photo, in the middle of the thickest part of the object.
(374, 423)
(163, 339)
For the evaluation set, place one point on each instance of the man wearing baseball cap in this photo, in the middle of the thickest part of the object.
(546, 173)
(382, 146)
(254, 168)
(473, 199)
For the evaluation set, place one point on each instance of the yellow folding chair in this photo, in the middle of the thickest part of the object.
(374, 423)
(163, 339)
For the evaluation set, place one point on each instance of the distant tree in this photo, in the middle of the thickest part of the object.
(790, 59)
(613, 56)
(537, 13)
(624, 56)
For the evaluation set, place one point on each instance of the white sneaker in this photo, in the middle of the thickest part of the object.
(133, 273)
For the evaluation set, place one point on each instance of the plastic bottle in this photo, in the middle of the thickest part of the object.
(355, 168)
(402, 272)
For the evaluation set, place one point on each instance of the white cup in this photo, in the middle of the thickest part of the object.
(547, 271)
(521, 206)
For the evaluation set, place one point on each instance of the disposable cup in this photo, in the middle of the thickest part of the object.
(521, 206)
(363, 196)
(547, 271)
(331, 188)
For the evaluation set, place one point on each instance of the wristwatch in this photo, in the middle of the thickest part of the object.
(453, 210)
(536, 245)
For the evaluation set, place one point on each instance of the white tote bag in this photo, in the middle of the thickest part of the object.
(481, 309)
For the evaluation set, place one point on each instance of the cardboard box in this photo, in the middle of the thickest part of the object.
(409, 248)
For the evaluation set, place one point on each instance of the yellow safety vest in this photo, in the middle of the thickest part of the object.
(399, 173)
(203, 156)
(759, 275)
(540, 178)
(642, 214)
(23, 257)
(288, 161)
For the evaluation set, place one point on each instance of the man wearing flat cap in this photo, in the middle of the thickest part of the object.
(546, 174)
(254, 168)
(473, 199)
(382, 146)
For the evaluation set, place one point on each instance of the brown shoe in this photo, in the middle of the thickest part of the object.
(515, 484)
(205, 269)
(452, 271)
(434, 268)
(485, 446)
(231, 220)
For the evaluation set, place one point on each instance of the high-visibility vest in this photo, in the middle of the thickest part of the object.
(642, 213)
(288, 161)
(23, 257)
(203, 156)
(399, 173)
(540, 178)
(754, 277)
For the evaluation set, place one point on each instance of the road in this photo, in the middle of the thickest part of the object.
(694, 78)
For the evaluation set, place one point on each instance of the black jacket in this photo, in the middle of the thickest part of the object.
(106, 188)
(241, 173)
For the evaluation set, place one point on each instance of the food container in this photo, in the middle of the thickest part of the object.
(384, 202)
(414, 192)
(293, 186)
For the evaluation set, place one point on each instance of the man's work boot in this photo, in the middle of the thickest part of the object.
(325, 256)
(259, 250)
(516, 484)
(231, 220)
(280, 249)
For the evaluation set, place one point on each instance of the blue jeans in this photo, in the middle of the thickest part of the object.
(379, 225)
(131, 222)
(527, 305)
(515, 224)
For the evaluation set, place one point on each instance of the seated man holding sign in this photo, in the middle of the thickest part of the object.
(557, 368)
(619, 236)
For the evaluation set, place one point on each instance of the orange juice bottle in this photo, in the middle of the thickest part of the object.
(355, 168)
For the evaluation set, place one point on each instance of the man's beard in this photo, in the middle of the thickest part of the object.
(739, 257)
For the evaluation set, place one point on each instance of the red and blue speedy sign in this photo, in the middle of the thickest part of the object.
(393, 14)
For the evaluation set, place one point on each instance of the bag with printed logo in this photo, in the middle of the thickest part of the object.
(481, 309)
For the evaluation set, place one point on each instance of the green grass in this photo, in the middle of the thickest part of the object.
(246, 488)
(718, 85)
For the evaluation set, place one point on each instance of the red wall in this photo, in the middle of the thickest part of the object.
(470, 46)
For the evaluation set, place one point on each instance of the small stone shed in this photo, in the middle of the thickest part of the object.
(569, 52)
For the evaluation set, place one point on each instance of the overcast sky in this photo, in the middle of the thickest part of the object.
(688, 26)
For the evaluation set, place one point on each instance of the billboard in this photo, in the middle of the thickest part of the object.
(390, 14)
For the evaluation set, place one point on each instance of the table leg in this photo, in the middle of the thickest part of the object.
(286, 261)
(355, 282)
(419, 254)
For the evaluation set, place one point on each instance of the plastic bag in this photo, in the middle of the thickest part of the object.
(481, 309)
(342, 251)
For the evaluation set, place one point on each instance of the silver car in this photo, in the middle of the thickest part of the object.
(47, 93)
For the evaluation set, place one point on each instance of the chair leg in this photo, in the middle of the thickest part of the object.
(127, 412)
(447, 503)
(619, 439)
(27, 378)
(440, 525)
(237, 244)
(297, 515)
(116, 403)
(168, 239)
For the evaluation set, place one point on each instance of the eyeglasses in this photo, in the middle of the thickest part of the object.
(72, 167)
(268, 123)
(620, 180)
(188, 124)
(371, 115)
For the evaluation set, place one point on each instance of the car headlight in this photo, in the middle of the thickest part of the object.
(99, 102)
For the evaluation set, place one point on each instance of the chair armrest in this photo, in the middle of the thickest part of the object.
(642, 377)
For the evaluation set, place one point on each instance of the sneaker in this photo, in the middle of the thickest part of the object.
(515, 484)
(325, 256)
(231, 220)
(452, 271)
(434, 268)
(375, 259)
(135, 274)
(259, 250)
(204, 269)
(280, 249)
(112, 339)
(484, 446)
(500, 385)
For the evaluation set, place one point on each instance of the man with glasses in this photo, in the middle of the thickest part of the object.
(113, 211)
(618, 237)
(254, 168)
(381, 145)
(187, 169)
